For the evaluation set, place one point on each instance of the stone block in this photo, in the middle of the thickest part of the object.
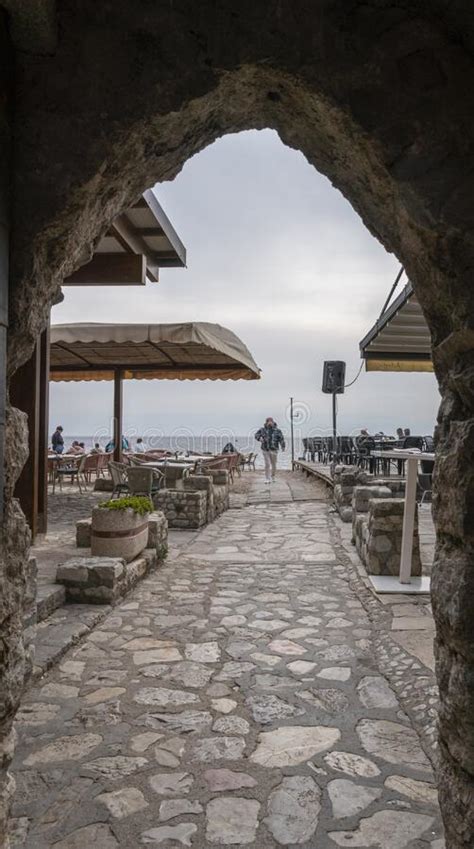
(76, 571)
(158, 533)
(346, 478)
(364, 494)
(383, 507)
(102, 580)
(183, 509)
(83, 533)
(103, 485)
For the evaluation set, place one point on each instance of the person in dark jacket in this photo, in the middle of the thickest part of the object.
(57, 440)
(271, 439)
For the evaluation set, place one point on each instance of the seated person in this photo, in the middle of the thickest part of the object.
(229, 448)
(363, 436)
(140, 447)
(97, 449)
(110, 447)
(76, 448)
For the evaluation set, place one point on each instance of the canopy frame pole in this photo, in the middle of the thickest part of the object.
(118, 414)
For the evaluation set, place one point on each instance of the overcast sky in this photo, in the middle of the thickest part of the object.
(276, 254)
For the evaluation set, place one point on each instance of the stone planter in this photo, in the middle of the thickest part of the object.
(118, 533)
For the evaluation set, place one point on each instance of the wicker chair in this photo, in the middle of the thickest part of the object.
(118, 473)
(73, 469)
(91, 465)
(144, 481)
(103, 461)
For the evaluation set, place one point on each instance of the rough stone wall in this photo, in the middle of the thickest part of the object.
(395, 485)
(183, 509)
(361, 498)
(203, 483)
(378, 537)
(378, 96)
(345, 479)
(215, 483)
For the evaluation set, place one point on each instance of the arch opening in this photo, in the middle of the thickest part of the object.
(378, 99)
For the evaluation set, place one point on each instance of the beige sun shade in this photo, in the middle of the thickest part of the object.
(191, 351)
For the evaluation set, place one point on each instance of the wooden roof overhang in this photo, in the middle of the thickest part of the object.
(138, 243)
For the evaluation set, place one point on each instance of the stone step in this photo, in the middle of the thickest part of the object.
(63, 629)
(49, 597)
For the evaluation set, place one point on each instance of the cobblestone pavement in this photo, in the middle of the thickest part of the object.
(233, 698)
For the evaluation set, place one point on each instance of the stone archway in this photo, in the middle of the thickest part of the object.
(112, 97)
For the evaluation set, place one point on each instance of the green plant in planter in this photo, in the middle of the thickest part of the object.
(138, 503)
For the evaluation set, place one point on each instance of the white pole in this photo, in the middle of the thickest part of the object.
(408, 520)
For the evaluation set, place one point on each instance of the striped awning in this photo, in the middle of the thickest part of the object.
(400, 339)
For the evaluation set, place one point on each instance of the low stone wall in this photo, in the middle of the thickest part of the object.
(378, 536)
(215, 483)
(184, 508)
(103, 580)
(394, 484)
(346, 478)
(158, 534)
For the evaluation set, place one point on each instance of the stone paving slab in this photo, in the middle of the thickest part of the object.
(56, 634)
(228, 702)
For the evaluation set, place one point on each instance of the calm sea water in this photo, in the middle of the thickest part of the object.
(189, 442)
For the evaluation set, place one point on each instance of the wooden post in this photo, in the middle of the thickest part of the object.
(43, 436)
(118, 415)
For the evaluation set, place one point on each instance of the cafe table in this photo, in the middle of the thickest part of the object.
(406, 582)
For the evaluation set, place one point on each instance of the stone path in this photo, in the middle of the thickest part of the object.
(232, 699)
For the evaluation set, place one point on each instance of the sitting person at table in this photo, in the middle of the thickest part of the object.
(228, 448)
(363, 436)
(75, 448)
(97, 449)
(57, 440)
(140, 447)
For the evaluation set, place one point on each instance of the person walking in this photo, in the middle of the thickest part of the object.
(271, 439)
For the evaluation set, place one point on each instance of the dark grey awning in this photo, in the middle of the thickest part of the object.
(400, 339)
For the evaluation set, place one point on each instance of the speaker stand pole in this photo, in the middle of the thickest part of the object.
(334, 434)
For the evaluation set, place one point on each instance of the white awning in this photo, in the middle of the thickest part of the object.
(400, 339)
